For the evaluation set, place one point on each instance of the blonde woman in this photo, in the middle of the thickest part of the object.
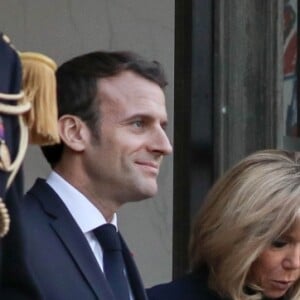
(245, 241)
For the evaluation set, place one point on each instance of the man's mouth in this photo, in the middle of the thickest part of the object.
(149, 166)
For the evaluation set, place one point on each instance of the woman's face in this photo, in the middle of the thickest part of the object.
(278, 266)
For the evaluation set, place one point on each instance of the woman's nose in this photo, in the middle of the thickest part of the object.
(292, 260)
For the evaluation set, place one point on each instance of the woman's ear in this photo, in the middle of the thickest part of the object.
(72, 131)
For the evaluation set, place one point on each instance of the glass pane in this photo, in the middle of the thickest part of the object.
(290, 100)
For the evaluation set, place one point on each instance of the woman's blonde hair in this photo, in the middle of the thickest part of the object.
(254, 203)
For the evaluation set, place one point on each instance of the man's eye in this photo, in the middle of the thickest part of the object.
(138, 123)
(279, 243)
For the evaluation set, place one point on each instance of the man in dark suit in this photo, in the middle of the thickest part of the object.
(112, 119)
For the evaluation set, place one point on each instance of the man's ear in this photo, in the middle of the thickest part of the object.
(72, 131)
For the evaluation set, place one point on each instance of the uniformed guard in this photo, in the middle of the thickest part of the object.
(28, 113)
(13, 133)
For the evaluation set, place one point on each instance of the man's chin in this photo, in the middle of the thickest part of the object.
(151, 191)
(146, 193)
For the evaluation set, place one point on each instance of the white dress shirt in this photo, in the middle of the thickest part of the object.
(85, 214)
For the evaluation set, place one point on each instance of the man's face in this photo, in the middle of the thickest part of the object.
(124, 163)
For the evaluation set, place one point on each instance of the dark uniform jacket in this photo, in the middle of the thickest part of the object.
(12, 271)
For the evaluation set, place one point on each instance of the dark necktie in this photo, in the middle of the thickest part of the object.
(113, 262)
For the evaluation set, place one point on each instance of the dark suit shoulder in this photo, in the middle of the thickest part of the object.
(192, 286)
(40, 189)
(57, 253)
(41, 199)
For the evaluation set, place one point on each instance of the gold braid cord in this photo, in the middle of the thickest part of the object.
(4, 219)
(5, 162)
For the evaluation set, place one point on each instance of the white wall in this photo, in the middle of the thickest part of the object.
(62, 29)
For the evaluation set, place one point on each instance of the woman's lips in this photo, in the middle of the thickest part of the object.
(281, 285)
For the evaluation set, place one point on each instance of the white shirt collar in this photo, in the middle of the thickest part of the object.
(86, 215)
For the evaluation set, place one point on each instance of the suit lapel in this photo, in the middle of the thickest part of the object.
(73, 240)
(133, 274)
(83, 257)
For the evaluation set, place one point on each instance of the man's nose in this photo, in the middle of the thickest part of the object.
(160, 142)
